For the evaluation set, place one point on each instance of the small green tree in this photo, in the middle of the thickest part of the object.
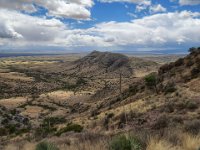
(151, 81)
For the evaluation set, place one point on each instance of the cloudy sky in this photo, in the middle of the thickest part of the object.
(85, 25)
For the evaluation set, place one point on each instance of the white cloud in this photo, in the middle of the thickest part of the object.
(128, 1)
(159, 30)
(157, 8)
(143, 5)
(189, 2)
(132, 15)
(76, 9)
(140, 8)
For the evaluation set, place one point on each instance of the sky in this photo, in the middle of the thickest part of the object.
(106, 25)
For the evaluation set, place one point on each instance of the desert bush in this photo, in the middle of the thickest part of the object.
(43, 132)
(46, 146)
(12, 128)
(3, 131)
(151, 81)
(51, 121)
(22, 131)
(70, 127)
(161, 122)
(191, 105)
(165, 68)
(133, 89)
(189, 63)
(179, 62)
(170, 87)
(169, 108)
(122, 120)
(81, 81)
(194, 72)
(193, 126)
(177, 119)
(107, 120)
(125, 143)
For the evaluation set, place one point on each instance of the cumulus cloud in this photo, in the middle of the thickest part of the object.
(129, 1)
(189, 2)
(75, 9)
(160, 29)
(151, 31)
(157, 8)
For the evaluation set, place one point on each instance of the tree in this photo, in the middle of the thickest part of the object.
(151, 81)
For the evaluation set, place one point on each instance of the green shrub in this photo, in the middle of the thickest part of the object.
(70, 127)
(151, 81)
(124, 143)
(46, 146)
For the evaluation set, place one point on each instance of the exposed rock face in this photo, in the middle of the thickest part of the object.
(98, 63)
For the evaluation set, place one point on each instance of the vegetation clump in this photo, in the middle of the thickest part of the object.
(46, 146)
(151, 81)
(70, 127)
(125, 143)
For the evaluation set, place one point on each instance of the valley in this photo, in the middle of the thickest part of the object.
(92, 98)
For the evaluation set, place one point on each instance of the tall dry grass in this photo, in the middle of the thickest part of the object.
(182, 141)
(187, 142)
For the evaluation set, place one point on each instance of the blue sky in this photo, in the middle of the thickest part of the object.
(106, 25)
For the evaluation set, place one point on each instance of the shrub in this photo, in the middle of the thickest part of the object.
(42, 132)
(70, 127)
(170, 87)
(162, 122)
(169, 108)
(53, 121)
(22, 131)
(123, 119)
(195, 72)
(193, 126)
(189, 63)
(191, 105)
(3, 132)
(151, 81)
(124, 143)
(81, 81)
(11, 128)
(46, 146)
(179, 62)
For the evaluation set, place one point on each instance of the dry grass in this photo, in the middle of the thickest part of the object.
(187, 142)
(13, 102)
(190, 142)
(16, 76)
(155, 144)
